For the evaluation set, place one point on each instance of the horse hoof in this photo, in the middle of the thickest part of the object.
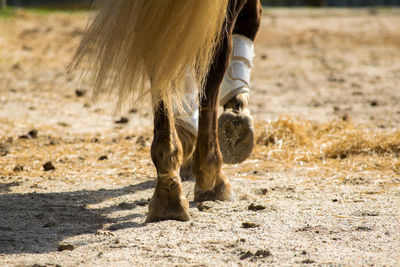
(160, 210)
(236, 135)
(221, 192)
(168, 201)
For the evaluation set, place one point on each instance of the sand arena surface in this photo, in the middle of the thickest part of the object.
(321, 187)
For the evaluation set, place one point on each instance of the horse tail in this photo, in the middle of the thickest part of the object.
(134, 48)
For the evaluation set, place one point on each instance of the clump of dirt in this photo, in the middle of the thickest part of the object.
(48, 166)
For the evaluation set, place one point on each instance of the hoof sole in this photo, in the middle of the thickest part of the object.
(236, 136)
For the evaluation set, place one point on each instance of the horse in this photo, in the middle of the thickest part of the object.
(160, 48)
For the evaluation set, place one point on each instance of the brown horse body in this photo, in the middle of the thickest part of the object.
(176, 151)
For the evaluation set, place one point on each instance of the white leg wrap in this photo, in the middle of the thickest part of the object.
(189, 119)
(237, 76)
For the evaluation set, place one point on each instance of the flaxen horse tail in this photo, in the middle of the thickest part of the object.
(134, 48)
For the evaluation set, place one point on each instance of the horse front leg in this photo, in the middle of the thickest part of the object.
(168, 201)
(236, 130)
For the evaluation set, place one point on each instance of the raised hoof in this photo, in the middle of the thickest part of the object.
(236, 135)
(166, 210)
(221, 192)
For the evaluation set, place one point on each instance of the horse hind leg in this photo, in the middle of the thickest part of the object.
(168, 201)
(211, 183)
(235, 126)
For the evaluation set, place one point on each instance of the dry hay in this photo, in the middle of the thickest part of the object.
(334, 147)
(341, 150)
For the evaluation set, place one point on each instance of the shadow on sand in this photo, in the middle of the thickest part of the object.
(37, 222)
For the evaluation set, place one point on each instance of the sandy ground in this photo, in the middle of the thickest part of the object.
(319, 67)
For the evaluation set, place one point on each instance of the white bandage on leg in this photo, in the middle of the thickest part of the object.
(189, 117)
(237, 76)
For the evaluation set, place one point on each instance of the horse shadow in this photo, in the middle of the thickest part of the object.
(38, 222)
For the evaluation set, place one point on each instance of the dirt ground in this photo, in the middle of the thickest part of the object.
(321, 187)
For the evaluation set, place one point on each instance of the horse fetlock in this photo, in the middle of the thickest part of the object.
(238, 103)
(221, 191)
(166, 155)
(168, 201)
(207, 172)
